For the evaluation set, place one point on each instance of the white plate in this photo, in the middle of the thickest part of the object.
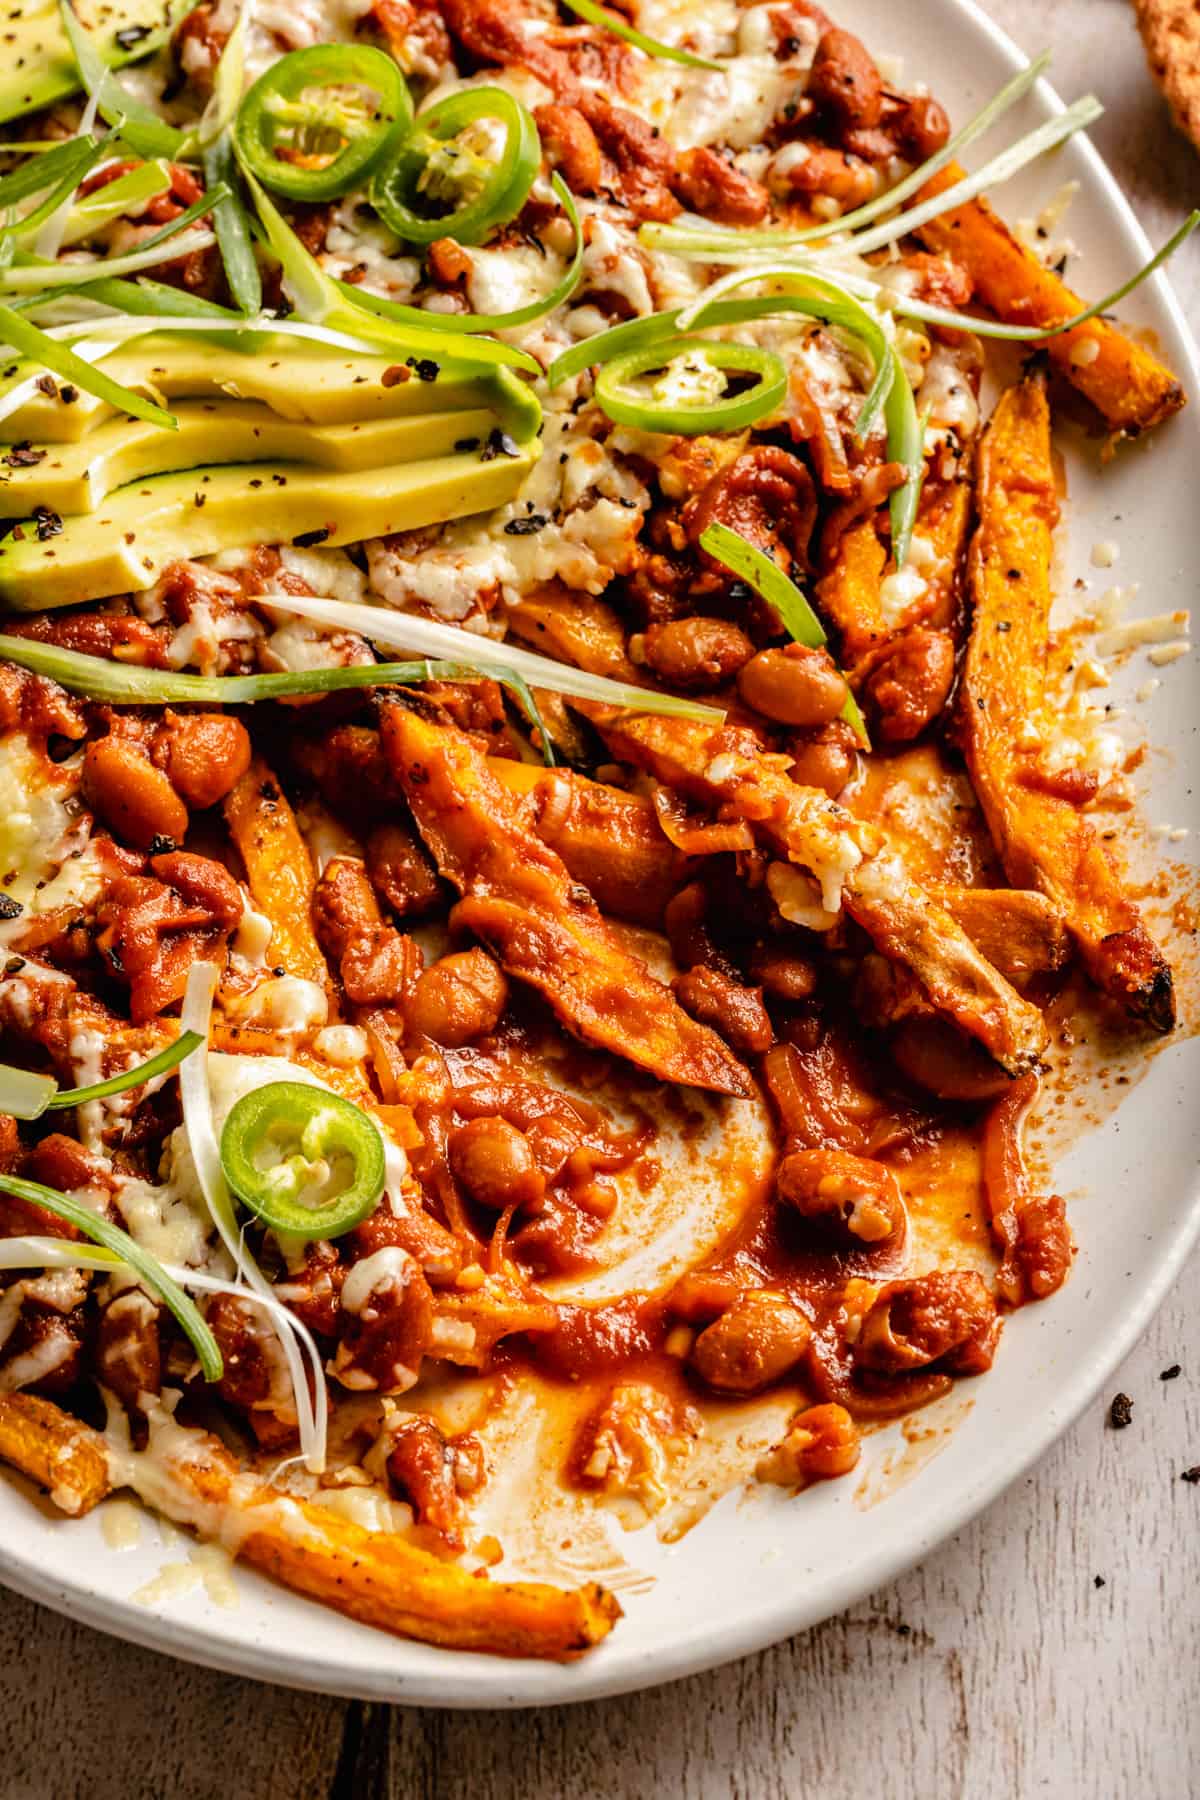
(764, 1566)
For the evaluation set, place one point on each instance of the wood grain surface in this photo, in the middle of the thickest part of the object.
(1052, 1648)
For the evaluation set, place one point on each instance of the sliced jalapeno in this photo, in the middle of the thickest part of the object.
(689, 392)
(303, 1160)
(316, 122)
(450, 176)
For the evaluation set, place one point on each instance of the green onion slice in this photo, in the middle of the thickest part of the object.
(30, 276)
(231, 222)
(140, 126)
(86, 152)
(64, 362)
(558, 295)
(92, 212)
(621, 391)
(722, 244)
(599, 15)
(407, 631)
(320, 300)
(145, 1266)
(749, 564)
(43, 171)
(305, 1161)
(16, 1102)
(905, 307)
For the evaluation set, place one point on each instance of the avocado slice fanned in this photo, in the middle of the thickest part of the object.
(38, 67)
(295, 378)
(78, 477)
(123, 546)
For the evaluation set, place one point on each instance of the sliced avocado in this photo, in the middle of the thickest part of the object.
(296, 378)
(123, 546)
(76, 478)
(38, 65)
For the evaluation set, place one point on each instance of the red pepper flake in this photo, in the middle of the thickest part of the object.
(393, 376)
(1120, 1413)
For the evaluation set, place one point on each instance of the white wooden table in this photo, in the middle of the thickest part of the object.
(1052, 1648)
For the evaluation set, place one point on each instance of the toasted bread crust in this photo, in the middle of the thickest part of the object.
(1171, 34)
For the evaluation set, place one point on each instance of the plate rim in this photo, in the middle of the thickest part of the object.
(492, 1682)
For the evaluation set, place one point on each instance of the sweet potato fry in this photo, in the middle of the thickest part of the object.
(1124, 381)
(848, 593)
(1021, 931)
(63, 1456)
(544, 927)
(278, 868)
(1043, 840)
(379, 1578)
(726, 769)
(609, 840)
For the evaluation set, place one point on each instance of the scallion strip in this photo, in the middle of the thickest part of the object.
(319, 300)
(147, 1268)
(43, 171)
(719, 244)
(60, 360)
(92, 212)
(86, 153)
(468, 323)
(906, 444)
(28, 1106)
(151, 299)
(905, 307)
(407, 631)
(599, 15)
(140, 126)
(751, 565)
(231, 223)
(128, 684)
(32, 277)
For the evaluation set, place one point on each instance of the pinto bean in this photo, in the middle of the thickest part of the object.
(134, 799)
(201, 754)
(924, 127)
(386, 1322)
(784, 973)
(942, 1059)
(458, 999)
(447, 262)
(496, 1164)
(402, 871)
(737, 1012)
(423, 1469)
(947, 1317)
(128, 1354)
(570, 142)
(758, 1341)
(853, 1198)
(377, 965)
(845, 82)
(842, 177)
(910, 683)
(255, 1378)
(696, 653)
(712, 185)
(794, 686)
(825, 759)
(822, 1443)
